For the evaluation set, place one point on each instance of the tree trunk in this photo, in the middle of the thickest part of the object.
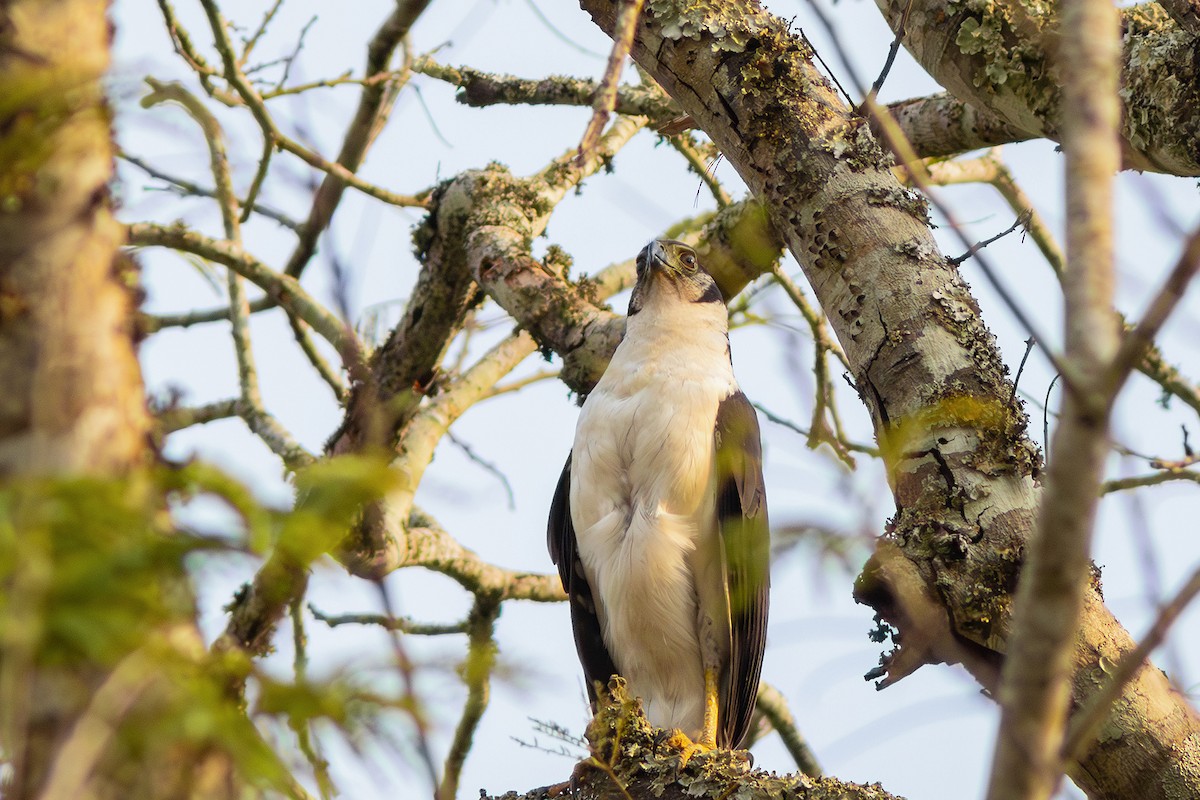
(73, 439)
(73, 399)
(962, 470)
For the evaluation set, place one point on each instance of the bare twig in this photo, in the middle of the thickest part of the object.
(481, 89)
(186, 187)
(832, 75)
(402, 624)
(291, 57)
(250, 407)
(557, 33)
(282, 289)
(476, 674)
(702, 166)
(778, 420)
(254, 38)
(565, 173)
(214, 137)
(520, 383)
(606, 94)
(775, 708)
(893, 49)
(175, 419)
(1020, 222)
(990, 169)
(249, 95)
(327, 373)
(246, 94)
(152, 323)
(1154, 479)
(1139, 339)
(1029, 344)
(374, 106)
(816, 322)
(186, 49)
(488, 466)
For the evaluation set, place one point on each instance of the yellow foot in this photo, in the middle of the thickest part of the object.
(682, 742)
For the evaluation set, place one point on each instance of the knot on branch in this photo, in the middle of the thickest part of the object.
(919, 624)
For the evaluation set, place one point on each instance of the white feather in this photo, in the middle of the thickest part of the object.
(643, 505)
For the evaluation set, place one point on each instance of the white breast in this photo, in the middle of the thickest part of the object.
(642, 503)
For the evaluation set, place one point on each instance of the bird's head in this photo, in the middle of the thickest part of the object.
(671, 270)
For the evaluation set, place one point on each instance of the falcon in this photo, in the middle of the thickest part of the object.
(659, 522)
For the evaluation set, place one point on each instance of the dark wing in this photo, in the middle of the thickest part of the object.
(560, 538)
(745, 536)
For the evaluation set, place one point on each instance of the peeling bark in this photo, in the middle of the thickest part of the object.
(963, 472)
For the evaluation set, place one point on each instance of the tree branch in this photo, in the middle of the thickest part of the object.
(481, 89)
(1005, 58)
(774, 707)
(282, 289)
(370, 117)
(942, 125)
(1035, 692)
(476, 674)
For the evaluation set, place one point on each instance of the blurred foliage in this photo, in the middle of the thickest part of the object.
(96, 602)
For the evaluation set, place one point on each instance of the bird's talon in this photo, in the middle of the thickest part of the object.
(688, 748)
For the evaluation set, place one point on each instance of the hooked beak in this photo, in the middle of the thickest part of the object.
(656, 257)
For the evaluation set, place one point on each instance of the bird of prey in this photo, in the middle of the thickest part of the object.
(659, 522)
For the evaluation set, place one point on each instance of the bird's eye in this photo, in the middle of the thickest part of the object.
(689, 260)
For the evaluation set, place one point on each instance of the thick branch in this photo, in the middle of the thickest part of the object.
(1003, 57)
(943, 125)
(96, 612)
(73, 398)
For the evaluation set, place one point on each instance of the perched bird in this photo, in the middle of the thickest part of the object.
(659, 522)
